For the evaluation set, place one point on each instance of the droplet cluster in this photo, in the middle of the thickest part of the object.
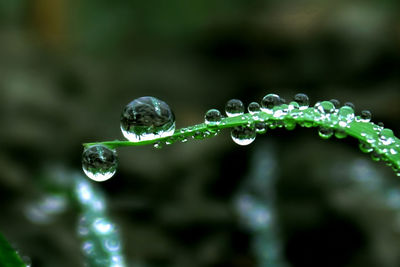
(148, 118)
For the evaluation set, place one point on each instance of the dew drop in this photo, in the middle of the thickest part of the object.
(243, 135)
(365, 147)
(346, 116)
(234, 107)
(325, 133)
(340, 134)
(349, 104)
(269, 102)
(261, 127)
(302, 100)
(375, 156)
(99, 162)
(212, 117)
(386, 136)
(325, 107)
(146, 118)
(253, 108)
(102, 226)
(365, 116)
(335, 102)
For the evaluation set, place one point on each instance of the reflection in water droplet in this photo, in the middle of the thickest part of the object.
(269, 102)
(302, 100)
(335, 102)
(243, 135)
(102, 226)
(325, 133)
(147, 118)
(260, 127)
(345, 116)
(325, 107)
(386, 136)
(112, 244)
(99, 162)
(212, 117)
(234, 107)
(365, 116)
(253, 108)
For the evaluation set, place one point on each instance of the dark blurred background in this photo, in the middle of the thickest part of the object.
(68, 67)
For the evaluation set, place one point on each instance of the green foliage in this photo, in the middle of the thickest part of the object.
(8, 256)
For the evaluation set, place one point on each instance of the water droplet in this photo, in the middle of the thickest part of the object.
(99, 162)
(335, 102)
(147, 118)
(365, 147)
(302, 100)
(381, 124)
(112, 243)
(349, 104)
(102, 226)
(253, 108)
(289, 124)
(386, 136)
(346, 116)
(325, 133)
(325, 107)
(261, 127)
(365, 116)
(212, 117)
(234, 107)
(269, 102)
(158, 145)
(340, 134)
(375, 156)
(243, 135)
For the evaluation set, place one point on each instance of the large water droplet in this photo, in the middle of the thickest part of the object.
(234, 107)
(302, 100)
(99, 162)
(365, 147)
(269, 102)
(346, 116)
(147, 118)
(212, 117)
(253, 108)
(243, 135)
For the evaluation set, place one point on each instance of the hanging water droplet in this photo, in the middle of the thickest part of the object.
(335, 102)
(269, 102)
(261, 127)
(289, 124)
(158, 145)
(345, 116)
(147, 118)
(99, 162)
(325, 107)
(243, 135)
(375, 156)
(234, 107)
(302, 100)
(340, 134)
(325, 133)
(365, 116)
(365, 147)
(253, 108)
(386, 136)
(212, 117)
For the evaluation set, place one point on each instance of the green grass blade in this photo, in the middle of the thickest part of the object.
(8, 256)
